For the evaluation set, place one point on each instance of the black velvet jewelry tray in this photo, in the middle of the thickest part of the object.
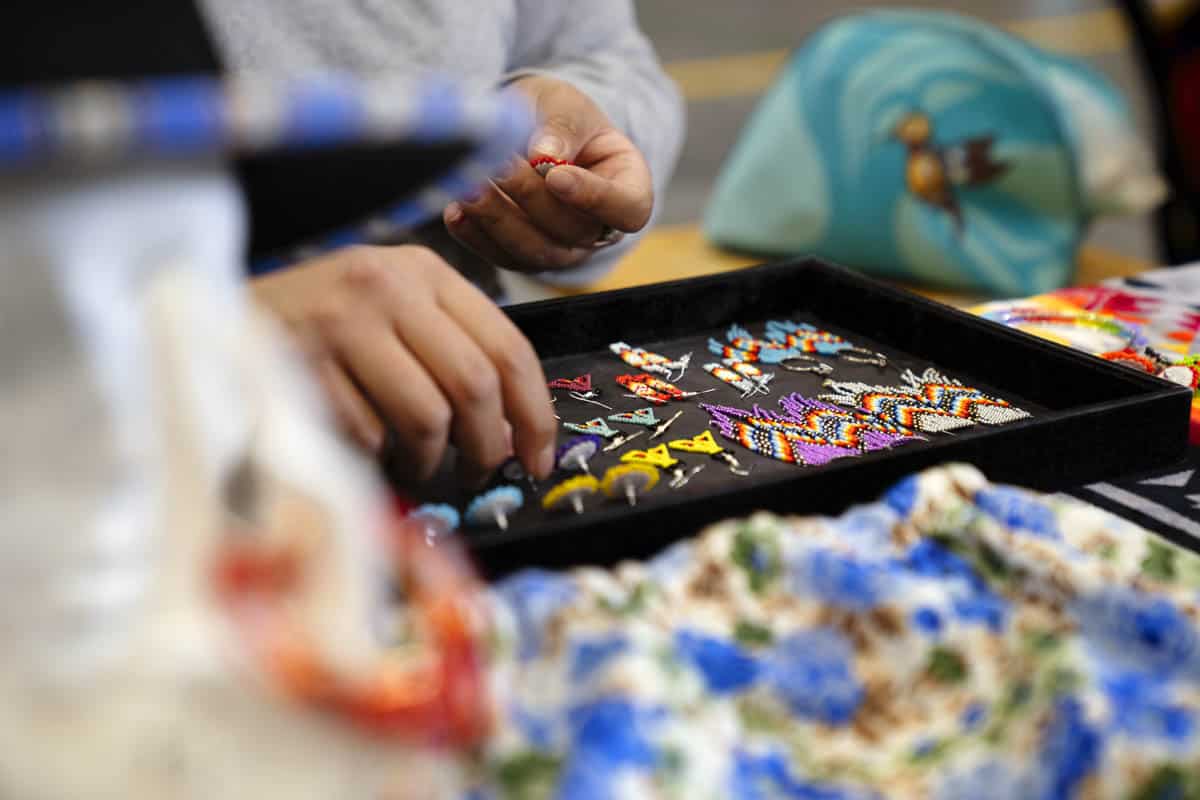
(1091, 420)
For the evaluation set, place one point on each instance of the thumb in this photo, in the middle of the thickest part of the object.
(569, 120)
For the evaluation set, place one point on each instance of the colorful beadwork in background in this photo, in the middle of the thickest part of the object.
(1149, 323)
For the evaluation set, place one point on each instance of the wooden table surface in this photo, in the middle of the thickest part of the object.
(671, 252)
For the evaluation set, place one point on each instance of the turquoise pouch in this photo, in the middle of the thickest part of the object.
(932, 148)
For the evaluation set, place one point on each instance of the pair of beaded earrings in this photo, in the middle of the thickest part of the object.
(930, 402)
(858, 418)
(808, 432)
(628, 481)
(637, 473)
(791, 345)
(646, 361)
(647, 386)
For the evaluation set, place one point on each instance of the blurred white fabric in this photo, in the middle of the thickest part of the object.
(82, 472)
(138, 386)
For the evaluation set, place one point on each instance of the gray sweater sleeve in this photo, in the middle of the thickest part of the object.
(594, 44)
(597, 46)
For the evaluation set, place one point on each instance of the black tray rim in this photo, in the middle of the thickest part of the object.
(1142, 390)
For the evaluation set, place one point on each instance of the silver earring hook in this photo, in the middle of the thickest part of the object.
(586, 398)
(860, 355)
(809, 364)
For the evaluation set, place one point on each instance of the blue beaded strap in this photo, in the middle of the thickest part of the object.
(101, 122)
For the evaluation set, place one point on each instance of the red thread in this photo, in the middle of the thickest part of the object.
(544, 164)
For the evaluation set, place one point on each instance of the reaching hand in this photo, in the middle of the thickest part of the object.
(528, 223)
(395, 333)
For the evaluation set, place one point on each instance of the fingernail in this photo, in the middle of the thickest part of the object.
(609, 238)
(545, 463)
(387, 446)
(563, 181)
(454, 213)
(550, 146)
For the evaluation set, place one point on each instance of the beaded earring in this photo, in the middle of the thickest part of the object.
(705, 443)
(628, 481)
(845, 428)
(748, 348)
(809, 339)
(897, 406)
(581, 384)
(809, 433)
(596, 426)
(806, 338)
(494, 507)
(728, 376)
(654, 457)
(646, 361)
(644, 417)
(571, 492)
(751, 372)
(963, 401)
(740, 426)
(654, 390)
(575, 454)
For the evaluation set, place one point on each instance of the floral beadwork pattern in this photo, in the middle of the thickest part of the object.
(953, 640)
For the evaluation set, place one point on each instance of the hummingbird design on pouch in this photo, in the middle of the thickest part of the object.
(935, 174)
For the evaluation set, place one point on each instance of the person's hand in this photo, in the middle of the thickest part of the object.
(528, 223)
(395, 333)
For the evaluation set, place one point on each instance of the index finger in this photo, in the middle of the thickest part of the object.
(523, 384)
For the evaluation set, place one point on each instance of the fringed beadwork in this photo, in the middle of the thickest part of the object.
(897, 406)
(811, 339)
(965, 402)
(809, 432)
(764, 350)
(806, 338)
(876, 433)
(772, 443)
